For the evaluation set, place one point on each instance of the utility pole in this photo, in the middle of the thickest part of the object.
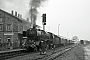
(49, 28)
(67, 34)
(58, 29)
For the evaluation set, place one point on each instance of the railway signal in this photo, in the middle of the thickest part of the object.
(44, 23)
(44, 18)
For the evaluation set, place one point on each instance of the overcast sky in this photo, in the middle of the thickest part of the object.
(72, 15)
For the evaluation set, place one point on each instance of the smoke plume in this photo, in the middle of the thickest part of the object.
(34, 6)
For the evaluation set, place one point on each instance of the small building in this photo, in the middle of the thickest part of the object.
(11, 28)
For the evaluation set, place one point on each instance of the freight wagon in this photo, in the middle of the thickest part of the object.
(68, 42)
(56, 40)
(63, 41)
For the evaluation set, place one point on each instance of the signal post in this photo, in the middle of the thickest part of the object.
(44, 23)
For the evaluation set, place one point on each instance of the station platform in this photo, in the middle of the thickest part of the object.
(11, 50)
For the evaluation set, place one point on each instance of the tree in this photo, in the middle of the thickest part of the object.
(75, 38)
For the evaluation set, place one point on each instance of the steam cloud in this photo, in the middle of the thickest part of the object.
(28, 8)
(34, 5)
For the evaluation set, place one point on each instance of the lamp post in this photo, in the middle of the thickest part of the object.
(49, 29)
(58, 29)
(67, 34)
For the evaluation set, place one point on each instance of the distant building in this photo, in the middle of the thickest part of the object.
(12, 27)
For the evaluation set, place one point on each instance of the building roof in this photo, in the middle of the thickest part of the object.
(21, 19)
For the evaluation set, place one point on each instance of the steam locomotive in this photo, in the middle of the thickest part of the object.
(34, 36)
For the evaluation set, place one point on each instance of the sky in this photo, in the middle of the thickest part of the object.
(72, 15)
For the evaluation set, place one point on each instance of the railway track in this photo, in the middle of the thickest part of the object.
(9, 55)
(54, 55)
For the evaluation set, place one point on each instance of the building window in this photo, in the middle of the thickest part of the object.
(1, 20)
(9, 27)
(9, 39)
(1, 27)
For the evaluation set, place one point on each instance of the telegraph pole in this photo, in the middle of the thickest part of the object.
(67, 34)
(58, 29)
(49, 28)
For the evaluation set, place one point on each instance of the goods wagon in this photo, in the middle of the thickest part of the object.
(63, 41)
(56, 40)
(67, 41)
(71, 42)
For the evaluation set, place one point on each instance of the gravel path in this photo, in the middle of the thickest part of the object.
(76, 53)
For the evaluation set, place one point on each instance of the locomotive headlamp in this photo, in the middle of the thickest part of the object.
(41, 41)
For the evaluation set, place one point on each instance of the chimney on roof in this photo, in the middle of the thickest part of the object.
(12, 12)
(15, 13)
(18, 15)
(21, 16)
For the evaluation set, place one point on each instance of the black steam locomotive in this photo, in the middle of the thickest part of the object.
(34, 36)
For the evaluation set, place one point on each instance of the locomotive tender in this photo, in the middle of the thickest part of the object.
(34, 36)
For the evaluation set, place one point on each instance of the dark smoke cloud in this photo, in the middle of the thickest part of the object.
(34, 5)
(23, 7)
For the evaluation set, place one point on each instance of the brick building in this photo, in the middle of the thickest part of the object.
(11, 28)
